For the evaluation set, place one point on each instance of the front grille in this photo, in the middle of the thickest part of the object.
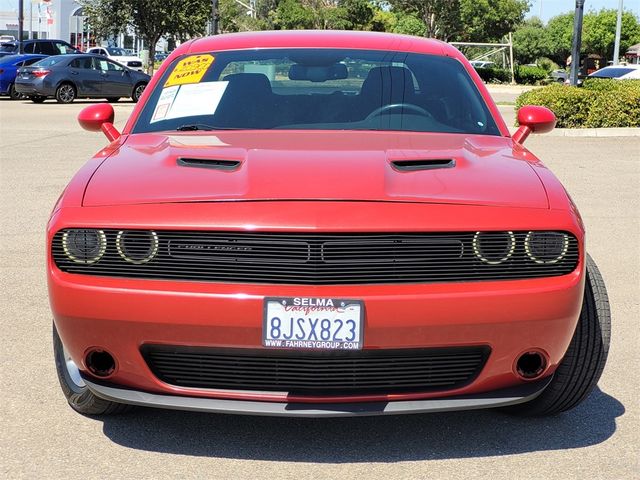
(317, 373)
(321, 259)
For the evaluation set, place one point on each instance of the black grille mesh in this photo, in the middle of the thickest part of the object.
(317, 373)
(320, 259)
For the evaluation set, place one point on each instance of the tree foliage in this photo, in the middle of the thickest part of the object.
(151, 19)
(533, 40)
(490, 20)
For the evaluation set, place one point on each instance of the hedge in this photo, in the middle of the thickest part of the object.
(494, 75)
(527, 75)
(598, 103)
(524, 74)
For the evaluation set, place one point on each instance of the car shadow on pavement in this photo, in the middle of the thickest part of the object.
(478, 433)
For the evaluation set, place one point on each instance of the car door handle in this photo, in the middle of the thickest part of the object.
(74, 73)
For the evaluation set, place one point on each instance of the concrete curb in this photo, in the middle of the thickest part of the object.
(591, 132)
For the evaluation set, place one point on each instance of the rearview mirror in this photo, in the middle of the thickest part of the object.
(533, 119)
(99, 117)
(314, 73)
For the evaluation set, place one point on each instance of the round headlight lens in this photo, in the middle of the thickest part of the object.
(84, 245)
(494, 247)
(546, 247)
(137, 246)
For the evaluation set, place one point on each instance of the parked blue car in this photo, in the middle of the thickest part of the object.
(8, 70)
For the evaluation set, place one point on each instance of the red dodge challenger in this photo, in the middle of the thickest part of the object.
(321, 224)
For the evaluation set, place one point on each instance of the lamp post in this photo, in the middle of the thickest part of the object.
(214, 17)
(616, 49)
(577, 42)
(20, 26)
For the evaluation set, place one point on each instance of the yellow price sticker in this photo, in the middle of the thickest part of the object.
(189, 70)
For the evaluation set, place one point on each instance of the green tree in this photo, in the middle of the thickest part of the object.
(598, 35)
(409, 25)
(151, 19)
(490, 20)
(559, 35)
(293, 15)
(531, 41)
(441, 18)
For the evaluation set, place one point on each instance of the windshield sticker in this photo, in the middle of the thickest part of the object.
(189, 70)
(190, 100)
(164, 103)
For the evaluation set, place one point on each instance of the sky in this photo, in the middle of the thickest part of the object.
(550, 8)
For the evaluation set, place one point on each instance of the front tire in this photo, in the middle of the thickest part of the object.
(80, 398)
(65, 93)
(582, 365)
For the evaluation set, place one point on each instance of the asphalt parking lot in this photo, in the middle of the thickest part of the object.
(41, 146)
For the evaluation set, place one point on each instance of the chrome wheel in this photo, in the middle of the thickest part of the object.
(66, 93)
(137, 92)
(72, 369)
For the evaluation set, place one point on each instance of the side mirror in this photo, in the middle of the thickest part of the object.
(99, 117)
(533, 119)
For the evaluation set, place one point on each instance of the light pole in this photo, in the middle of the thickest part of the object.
(577, 42)
(214, 17)
(20, 26)
(616, 48)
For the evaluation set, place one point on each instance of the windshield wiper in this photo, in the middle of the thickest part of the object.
(202, 126)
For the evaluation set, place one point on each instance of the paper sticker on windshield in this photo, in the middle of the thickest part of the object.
(164, 103)
(189, 70)
(181, 101)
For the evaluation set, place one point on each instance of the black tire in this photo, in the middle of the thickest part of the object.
(13, 94)
(582, 365)
(113, 99)
(37, 99)
(65, 93)
(80, 398)
(137, 91)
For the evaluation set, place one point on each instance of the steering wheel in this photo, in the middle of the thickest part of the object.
(409, 106)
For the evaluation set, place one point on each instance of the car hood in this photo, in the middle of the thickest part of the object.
(342, 166)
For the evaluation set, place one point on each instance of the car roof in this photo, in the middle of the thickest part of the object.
(320, 39)
(23, 56)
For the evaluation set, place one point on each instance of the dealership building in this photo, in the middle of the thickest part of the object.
(59, 19)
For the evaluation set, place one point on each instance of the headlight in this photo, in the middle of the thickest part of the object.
(494, 247)
(137, 246)
(84, 245)
(546, 247)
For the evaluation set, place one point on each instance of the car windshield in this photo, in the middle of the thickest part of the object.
(117, 52)
(316, 89)
(49, 61)
(611, 72)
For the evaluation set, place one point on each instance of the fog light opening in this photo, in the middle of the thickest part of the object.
(100, 363)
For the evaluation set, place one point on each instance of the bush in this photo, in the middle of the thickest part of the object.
(494, 75)
(548, 64)
(530, 75)
(599, 103)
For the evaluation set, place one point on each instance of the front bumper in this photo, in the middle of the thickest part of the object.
(499, 398)
(122, 315)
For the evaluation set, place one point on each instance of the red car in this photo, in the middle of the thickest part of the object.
(321, 224)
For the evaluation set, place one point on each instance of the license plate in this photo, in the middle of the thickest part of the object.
(313, 323)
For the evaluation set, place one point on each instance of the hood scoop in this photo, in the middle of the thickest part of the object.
(211, 163)
(423, 164)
